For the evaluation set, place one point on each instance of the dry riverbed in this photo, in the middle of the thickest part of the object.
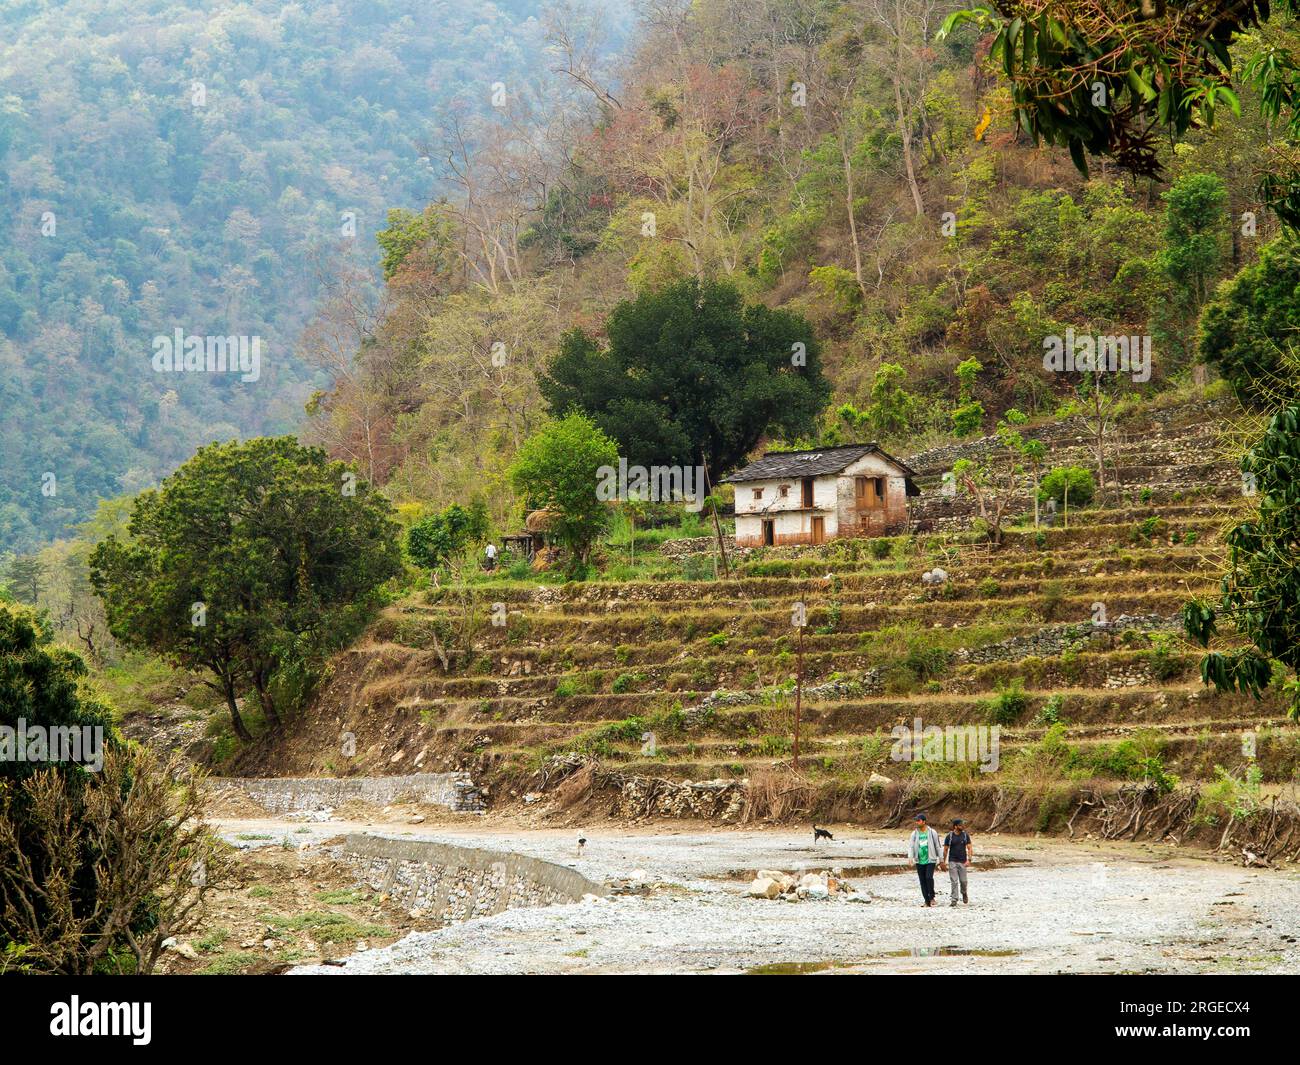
(1037, 906)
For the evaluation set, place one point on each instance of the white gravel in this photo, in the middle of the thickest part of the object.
(1073, 907)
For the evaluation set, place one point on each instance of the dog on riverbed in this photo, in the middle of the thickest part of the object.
(820, 834)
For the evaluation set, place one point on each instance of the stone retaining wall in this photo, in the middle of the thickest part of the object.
(450, 883)
(283, 794)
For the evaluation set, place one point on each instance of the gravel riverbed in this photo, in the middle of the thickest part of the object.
(1037, 906)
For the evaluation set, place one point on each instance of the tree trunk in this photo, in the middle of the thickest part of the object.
(908, 163)
(241, 730)
(264, 698)
(846, 156)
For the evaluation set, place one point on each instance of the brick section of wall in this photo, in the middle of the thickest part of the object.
(450, 883)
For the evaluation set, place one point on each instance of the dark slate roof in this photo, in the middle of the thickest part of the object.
(813, 463)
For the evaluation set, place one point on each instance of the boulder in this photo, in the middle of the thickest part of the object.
(183, 949)
(763, 888)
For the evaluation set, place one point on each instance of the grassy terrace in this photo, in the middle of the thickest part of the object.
(708, 665)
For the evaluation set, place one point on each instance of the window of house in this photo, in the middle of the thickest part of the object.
(758, 493)
(869, 491)
(785, 491)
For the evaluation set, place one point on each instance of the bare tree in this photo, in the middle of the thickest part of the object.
(907, 28)
(577, 39)
(128, 831)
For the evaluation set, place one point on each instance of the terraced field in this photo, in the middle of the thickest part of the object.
(1065, 638)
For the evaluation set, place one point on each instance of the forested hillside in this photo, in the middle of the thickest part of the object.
(212, 166)
(834, 157)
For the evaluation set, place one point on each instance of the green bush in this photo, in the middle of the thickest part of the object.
(624, 683)
(1080, 482)
(1164, 665)
(926, 663)
(1008, 706)
(437, 538)
(1050, 712)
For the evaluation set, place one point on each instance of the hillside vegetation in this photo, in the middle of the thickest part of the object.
(215, 168)
(830, 158)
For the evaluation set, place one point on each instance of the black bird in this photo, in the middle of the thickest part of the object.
(821, 833)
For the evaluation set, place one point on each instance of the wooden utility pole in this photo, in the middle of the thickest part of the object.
(717, 525)
(798, 685)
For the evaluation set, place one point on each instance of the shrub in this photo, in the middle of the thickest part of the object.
(1230, 796)
(1009, 705)
(99, 871)
(697, 568)
(927, 662)
(1164, 665)
(1053, 599)
(1149, 528)
(1080, 482)
(1050, 712)
(436, 539)
(624, 682)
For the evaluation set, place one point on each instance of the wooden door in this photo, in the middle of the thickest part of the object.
(819, 530)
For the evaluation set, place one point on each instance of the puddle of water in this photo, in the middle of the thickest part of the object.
(803, 968)
(796, 968)
(948, 952)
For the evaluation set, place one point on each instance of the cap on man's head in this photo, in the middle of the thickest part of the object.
(919, 817)
(957, 821)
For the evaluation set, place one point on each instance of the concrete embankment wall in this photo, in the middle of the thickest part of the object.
(283, 794)
(451, 883)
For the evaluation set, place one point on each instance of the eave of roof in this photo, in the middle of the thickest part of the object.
(814, 462)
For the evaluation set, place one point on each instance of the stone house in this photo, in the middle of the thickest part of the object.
(809, 497)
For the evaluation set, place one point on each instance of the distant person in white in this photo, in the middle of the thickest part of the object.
(491, 553)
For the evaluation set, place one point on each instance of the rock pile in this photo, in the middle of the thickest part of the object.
(1053, 640)
(640, 796)
(772, 884)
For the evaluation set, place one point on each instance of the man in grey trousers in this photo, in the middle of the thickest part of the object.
(958, 851)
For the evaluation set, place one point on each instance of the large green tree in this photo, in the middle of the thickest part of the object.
(42, 684)
(439, 537)
(692, 373)
(559, 470)
(1195, 235)
(1261, 591)
(252, 560)
(1250, 329)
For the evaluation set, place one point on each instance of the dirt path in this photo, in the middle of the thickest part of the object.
(1047, 906)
